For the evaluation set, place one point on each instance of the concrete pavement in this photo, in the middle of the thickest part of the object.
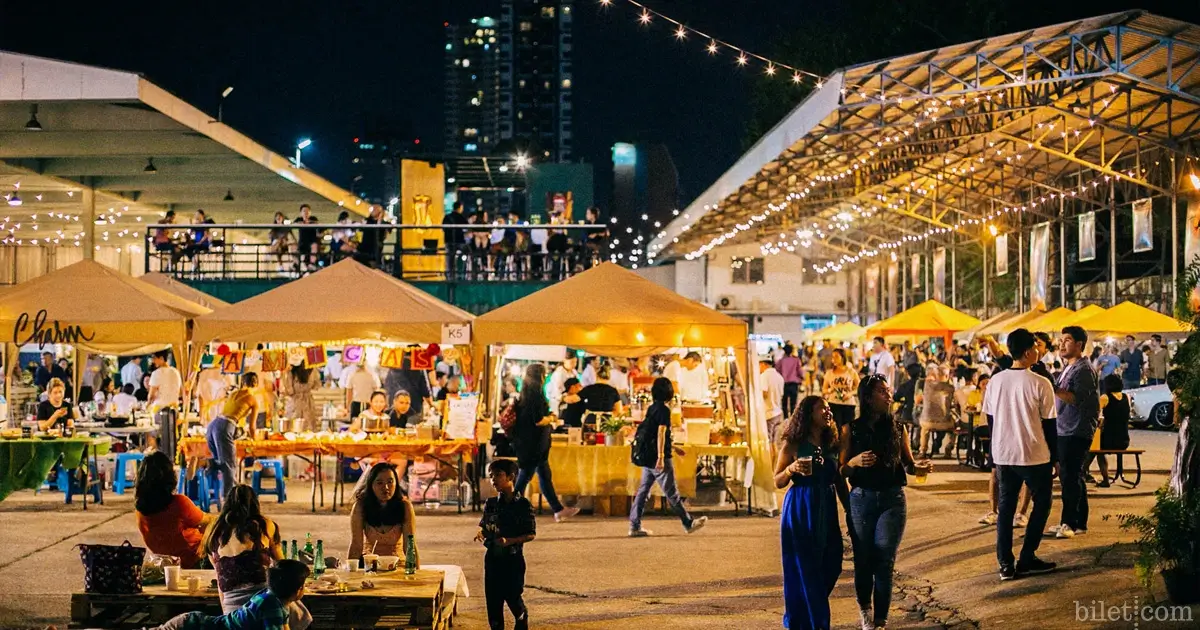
(586, 574)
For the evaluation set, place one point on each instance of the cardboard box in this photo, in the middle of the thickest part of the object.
(697, 432)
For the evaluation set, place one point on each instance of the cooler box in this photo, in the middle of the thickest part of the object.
(697, 432)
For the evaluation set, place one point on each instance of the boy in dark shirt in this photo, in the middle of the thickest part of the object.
(506, 526)
(268, 610)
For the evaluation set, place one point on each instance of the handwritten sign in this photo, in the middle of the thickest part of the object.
(460, 419)
(44, 334)
(456, 334)
(352, 355)
(392, 358)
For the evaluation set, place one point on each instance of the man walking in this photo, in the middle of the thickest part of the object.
(1078, 408)
(881, 360)
(792, 371)
(773, 387)
(1156, 362)
(165, 385)
(1015, 404)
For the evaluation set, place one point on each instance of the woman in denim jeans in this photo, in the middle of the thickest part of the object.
(531, 439)
(876, 457)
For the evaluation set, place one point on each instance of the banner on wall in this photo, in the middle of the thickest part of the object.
(915, 273)
(1002, 255)
(855, 292)
(939, 274)
(893, 289)
(1039, 268)
(1143, 226)
(1087, 236)
(1191, 244)
(872, 294)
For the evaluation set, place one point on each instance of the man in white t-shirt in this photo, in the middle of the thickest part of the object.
(558, 380)
(881, 361)
(771, 383)
(360, 382)
(1016, 404)
(165, 385)
(693, 378)
(132, 373)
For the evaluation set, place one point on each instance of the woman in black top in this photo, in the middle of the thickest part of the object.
(531, 439)
(875, 457)
(1114, 430)
(55, 411)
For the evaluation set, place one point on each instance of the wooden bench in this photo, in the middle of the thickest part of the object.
(1119, 473)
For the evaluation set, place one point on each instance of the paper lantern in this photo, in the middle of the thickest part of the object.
(222, 350)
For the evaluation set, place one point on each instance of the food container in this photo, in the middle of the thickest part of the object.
(697, 432)
(424, 432)
(698, 411)
(387, 563)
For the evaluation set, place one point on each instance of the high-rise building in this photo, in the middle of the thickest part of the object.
(472, 99)
(535, 76)
(645, 196)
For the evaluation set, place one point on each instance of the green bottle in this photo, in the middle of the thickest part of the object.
(319, 559)
(410, 555)
(308, 547)
(295, 555)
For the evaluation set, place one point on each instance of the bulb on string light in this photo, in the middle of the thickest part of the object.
(681, 33)
(712, 47)
(770, 70)
(644, 18)
(742, 60)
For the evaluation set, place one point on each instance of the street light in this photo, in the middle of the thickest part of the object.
(302, 145)
(221, 103)
(522, 161)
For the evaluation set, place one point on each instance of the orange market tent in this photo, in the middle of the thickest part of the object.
(167, 283)
(1051, 322)
(927, 319)
(1128, 318)
(970, 333)
(1005, 326)
(345, 301)
(97, 309)
(610, 311)
(845, 331)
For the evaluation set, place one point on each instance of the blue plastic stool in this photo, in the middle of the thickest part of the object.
(280, 489)
(200, 491)
(119, 483)
(71, 486)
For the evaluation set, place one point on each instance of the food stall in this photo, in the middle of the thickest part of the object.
(93, 309)
(927, 319)
(610, 311)
(1128, 318)
(372, 318)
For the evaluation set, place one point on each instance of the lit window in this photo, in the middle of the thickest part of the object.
(547, 85)
(475, 101)
(449, 46)
(458, 62)
(470, 147)
(466, 63)
(521, 83)
(566, 10)
(526, 26)
(547, 12)
(356, 160)
(520, 115)
(470, 132)
(747, 270)
(478, 32)
(486, 140)
(566, 83)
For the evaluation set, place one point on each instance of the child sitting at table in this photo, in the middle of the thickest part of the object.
(506, 526)
(267, 610)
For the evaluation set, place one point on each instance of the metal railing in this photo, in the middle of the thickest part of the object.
(487, 253)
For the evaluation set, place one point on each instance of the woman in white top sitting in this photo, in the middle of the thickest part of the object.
(375, 417)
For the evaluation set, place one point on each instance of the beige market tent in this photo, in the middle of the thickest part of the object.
(611, 311)
(346, 301)
(167, 283)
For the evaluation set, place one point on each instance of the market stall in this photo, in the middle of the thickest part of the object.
(976, 330)
(171, 285)
(845, 331)
(373, 320)
(1050, 321)
(927, 319)
(1128, 318)
(610, 311)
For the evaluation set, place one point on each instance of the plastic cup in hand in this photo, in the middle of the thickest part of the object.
(805, 465)
(922, 471)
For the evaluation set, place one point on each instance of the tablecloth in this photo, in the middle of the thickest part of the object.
(196, 447)
(598, 471)
(25, 463)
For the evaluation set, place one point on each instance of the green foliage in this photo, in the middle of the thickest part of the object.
(1185, 375)
(1166, 536)
(612, 424)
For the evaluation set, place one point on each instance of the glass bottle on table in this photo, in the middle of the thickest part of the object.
(410, 554)
(319, 559)
(308, 547)
(295, 555)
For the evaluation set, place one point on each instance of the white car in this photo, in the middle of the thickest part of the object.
(1152, 406)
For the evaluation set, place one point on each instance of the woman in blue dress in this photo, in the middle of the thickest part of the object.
(812, 537)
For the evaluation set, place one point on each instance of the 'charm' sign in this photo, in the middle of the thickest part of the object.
(46, 333)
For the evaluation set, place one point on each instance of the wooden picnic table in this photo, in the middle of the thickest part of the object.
(397, 601)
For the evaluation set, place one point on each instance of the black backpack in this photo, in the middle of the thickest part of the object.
(644, 450)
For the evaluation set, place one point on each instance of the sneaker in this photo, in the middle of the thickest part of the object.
(639, 533)
(565, 514)
(1079, 532)
(1064, 531)
(1104, 484)
(1020, 520)
(1036, 566)
(697, 524)
(1007, 572)
(988, 519)
(867, 619)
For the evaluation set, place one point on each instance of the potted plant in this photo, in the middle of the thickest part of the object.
(612, 428)
(725, 435)
(1167, 544)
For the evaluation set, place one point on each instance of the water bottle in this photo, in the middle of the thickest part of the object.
(319, 559)
(410, 555)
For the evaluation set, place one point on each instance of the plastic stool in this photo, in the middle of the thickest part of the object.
(71, 486)
(119, 482)
(200, 491)
(280, 489)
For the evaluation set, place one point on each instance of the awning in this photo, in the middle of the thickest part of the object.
(1051, 322)
(845, 331)
(1128, 318)
(169, 284)
(927, 319)
(970, 333)
(1005, 326)
(343, 302)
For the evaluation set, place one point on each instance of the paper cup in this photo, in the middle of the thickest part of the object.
(171, 574)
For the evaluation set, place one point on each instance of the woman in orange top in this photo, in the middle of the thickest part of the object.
(170, 523)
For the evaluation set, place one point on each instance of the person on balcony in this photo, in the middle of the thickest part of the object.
(455, 238)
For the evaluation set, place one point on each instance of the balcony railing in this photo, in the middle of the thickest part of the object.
(488, 253)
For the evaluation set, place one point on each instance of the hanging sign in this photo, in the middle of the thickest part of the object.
(893, 280)
(939, 274)
(423, 358)
(274, 360)
(1039, 268)
(314, 356)
(392, 358)
(460, 417)
(44, 333)
(1087, 236)
(1002, 255)
(914, 280)
(233, 363)
(352, 355)
(1143, 226)
(456, 334)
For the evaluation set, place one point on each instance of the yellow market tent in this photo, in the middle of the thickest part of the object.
(1006, 326)
(927, 319)
(345, 301)
(845, 331)
(970, 333)
(1051, 322)
(167, 283)
(610, 311)
(1128, 318)
(1091, 310)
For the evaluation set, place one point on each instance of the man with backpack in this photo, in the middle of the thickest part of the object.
(652, 451)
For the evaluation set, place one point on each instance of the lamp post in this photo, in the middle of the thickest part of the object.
(221, 103)
(300, 146)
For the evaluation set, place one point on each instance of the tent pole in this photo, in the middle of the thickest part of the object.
(1174, 233)
(1112, 243)
(983, 243)
(1062, 250)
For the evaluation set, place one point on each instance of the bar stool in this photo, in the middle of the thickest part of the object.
(280, 489)
(119, 480)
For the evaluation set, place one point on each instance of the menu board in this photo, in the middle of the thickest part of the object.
(460, 419)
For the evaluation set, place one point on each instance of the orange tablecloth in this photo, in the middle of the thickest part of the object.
(196, 447)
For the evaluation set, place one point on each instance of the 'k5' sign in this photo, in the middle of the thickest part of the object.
(45, 333)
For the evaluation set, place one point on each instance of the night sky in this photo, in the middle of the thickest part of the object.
(328, 69)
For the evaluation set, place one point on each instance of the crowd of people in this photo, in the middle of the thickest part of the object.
(1041, 407)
